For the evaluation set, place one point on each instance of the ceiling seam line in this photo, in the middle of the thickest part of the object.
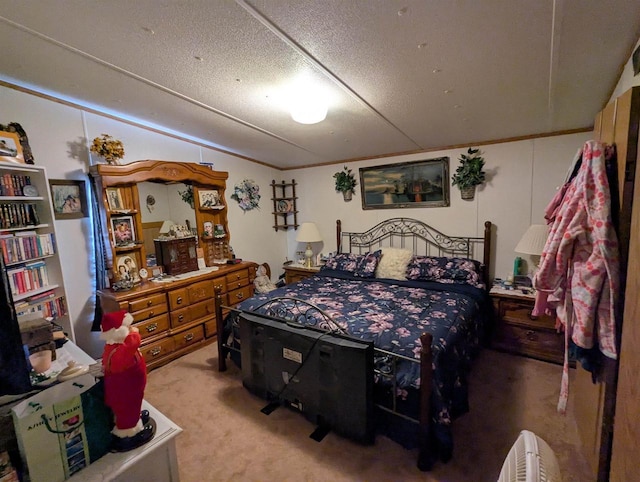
(151, 83)
(319, 65)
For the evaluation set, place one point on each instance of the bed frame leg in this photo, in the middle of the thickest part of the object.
(222, 355)
(426, 457)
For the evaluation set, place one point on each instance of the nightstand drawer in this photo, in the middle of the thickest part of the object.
(541, 344)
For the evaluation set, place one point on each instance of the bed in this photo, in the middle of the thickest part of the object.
(421, 296)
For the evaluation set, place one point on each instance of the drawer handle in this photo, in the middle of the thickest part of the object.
(179, 300)
(149, 303)
(155, 351)
(151, 314)
(152, 327)
(188, 336)
(239, 296)
(180, 318)
(531, 335)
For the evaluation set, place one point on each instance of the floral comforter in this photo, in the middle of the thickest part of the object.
(394, 314)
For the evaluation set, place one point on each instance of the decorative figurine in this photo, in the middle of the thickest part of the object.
(125, 378)
(262, 282)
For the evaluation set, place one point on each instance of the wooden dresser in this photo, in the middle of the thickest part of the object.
(177, 317)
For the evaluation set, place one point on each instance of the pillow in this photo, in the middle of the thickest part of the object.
(445, 270)
(361, 265)
(393, 263)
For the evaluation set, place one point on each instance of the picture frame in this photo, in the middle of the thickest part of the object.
(123, 231)
(114, 199)
(209, 199)
(69, 198)
(415, 184)
(127, 266)
(10, 147)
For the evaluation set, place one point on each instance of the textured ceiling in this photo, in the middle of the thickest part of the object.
(402, 76)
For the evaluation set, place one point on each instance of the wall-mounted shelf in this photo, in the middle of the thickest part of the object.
(285, 212)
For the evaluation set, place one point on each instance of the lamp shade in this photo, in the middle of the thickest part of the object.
(166, 226)
(308, 233)
(533, 240)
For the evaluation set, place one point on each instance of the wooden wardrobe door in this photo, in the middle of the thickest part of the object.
(595, 405)
(625, 449)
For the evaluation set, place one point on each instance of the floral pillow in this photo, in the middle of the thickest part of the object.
(361, 265)
(445, 270)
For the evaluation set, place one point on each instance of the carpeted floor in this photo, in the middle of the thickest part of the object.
(227, 438)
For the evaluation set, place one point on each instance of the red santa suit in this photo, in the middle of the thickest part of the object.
(125, 372)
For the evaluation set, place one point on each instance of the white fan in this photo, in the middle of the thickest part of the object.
(530, 460)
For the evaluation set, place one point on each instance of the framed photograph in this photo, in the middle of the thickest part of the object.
(416, 184)
(126, 267)
(114, 198)
(209, 199)
(10, 148)
(123, 230)
(69, 199)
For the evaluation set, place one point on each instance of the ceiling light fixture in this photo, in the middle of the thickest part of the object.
(307, 105)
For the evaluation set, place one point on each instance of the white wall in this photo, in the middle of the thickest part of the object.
(522, 178)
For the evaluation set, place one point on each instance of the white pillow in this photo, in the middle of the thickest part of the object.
(393, 263)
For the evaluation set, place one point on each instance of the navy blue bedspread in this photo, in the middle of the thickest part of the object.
(394, 314)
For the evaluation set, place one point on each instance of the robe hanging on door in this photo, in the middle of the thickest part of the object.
(580, 263)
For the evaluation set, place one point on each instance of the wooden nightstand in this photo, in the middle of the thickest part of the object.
(516, 331)
(297, 272)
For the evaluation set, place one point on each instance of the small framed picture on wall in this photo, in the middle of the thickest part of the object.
(69, 199)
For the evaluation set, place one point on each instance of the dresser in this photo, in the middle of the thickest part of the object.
(517, 331)
(177, 315)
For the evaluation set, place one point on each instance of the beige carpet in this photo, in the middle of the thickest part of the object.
(227, 438)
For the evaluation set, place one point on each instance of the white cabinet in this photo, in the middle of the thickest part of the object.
(29, 245)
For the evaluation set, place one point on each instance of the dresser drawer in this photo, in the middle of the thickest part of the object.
(210, 328)
(537, 343)
(236, 276)
(220, 284)
(154, 326)
(236, 296)
(178, 298)
(157, 350)
(188, 337)
(149, 313)
(519, 313)
(200, 291)
(148, 302)
(192, 313)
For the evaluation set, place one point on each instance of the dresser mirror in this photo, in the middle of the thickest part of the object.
(147, 196)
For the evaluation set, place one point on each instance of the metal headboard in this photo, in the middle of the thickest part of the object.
(417, 236)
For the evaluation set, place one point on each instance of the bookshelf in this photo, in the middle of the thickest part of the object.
(28, 245)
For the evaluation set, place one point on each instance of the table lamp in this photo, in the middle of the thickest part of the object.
(532, 242)
(308, 233)
(165, 229)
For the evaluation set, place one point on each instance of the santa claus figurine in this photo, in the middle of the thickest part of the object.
(125, 377)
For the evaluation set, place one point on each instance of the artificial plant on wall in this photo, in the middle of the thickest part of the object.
(469, 173)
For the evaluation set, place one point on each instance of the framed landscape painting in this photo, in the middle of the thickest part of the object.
(416, 184)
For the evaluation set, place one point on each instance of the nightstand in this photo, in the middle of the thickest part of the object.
(297, 272)
(516, 331)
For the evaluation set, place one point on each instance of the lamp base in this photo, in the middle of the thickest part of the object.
(308, 254)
